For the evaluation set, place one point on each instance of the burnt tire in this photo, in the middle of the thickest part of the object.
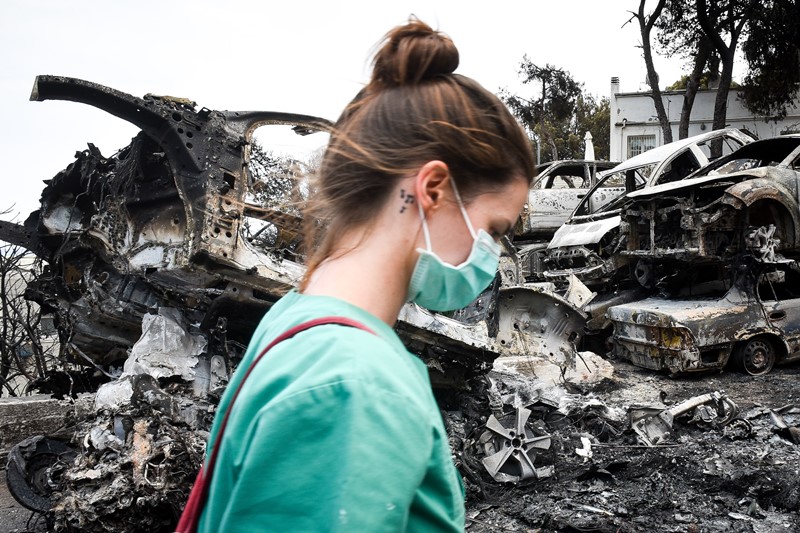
(755, 356)
(34, 470)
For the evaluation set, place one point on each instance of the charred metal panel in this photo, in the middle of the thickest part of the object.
(535, 321)
(654, 426)
(590, 232)
(580, 261)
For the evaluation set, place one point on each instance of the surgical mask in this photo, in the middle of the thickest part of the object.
(440, 286)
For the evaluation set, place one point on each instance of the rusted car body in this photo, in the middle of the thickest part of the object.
(559, 187)
(753, 324)
(587, 245)
(748, 201)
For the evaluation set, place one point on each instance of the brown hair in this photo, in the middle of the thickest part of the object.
(413, 110)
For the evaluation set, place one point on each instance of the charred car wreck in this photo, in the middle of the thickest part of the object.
(557, 190)
(736, 223)
(159, 224)
(747, 201)
(587, 244)
(753, 323)
(154, 285)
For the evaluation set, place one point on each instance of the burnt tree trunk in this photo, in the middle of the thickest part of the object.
(713, 21)
(645, 27)
(693, 85)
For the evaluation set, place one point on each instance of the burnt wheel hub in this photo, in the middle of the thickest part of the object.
(512, 446)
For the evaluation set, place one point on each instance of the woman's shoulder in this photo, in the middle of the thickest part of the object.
(334, 353)
(296, 309)
(323, 365)
(350, 351)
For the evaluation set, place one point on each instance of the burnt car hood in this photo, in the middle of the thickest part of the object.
(589, 232)
(692, 183)
(662, 312)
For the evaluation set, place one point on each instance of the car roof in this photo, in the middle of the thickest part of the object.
(658, 154)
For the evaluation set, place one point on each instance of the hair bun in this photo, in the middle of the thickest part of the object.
(412, 53)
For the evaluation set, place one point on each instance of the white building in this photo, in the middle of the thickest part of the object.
(635, 127)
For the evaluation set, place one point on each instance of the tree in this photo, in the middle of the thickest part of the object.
(772, 52)
(544, 117)
(594, 117)
(720, 20)
(646, 24)
(559, 113)
(770, 40)
(709, 33)
(275, 178)
(678, 34)
(26, 352)
(708, 80)
(279, 187)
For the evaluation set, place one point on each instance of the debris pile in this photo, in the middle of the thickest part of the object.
(684, 462)
(140, 449)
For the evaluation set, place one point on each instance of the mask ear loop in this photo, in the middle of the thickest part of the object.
(425, 228)
(463, 211)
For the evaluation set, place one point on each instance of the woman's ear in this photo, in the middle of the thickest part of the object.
(431, 184)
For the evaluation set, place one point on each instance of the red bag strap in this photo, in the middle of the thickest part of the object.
(205, 478)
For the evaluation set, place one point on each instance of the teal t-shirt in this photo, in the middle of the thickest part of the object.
(335, 429)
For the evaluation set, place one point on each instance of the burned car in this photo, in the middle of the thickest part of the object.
(587, 244)
(751, 323)
(746, 202)
(168, 222)
(557, 190)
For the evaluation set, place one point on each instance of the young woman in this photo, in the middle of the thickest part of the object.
(337, 429)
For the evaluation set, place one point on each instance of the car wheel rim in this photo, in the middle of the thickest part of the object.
(757, 357)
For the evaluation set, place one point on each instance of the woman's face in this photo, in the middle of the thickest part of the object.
(495, 212)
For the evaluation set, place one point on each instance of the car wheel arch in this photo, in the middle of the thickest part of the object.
(775, 205)
(778, 345)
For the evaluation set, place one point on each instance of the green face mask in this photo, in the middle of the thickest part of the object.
(440, 286)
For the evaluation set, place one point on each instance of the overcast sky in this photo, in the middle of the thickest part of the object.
(306, 57)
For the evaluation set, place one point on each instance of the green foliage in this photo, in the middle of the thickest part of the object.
(594, 117)
(770, 42)
(559, 113)
(707, 76)
(772, 52)
(677, 32)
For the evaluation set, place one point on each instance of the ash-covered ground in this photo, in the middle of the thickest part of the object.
(705, 477)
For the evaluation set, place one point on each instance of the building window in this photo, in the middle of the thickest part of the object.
(640, 143)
